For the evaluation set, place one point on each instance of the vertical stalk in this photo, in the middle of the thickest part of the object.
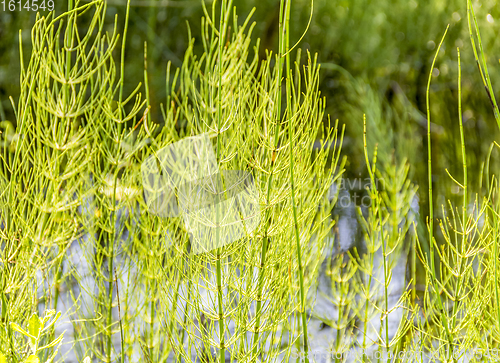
(151, 322)
(383, 241)
(110, 241)
(292, 183)
(122, 62)
(222, 349)
(115, 181)
(152, 315)
(444, 319)
(394, 241)
(458, 283)
(386, 277)
(339, 318)
(68, 44)
(414, 266)
(265, 241)
(497, 294)
(122, 356)
(370, 171)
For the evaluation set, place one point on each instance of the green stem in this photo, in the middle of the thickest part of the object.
(339, 319)
(110, 298)
(386, 298)
(414, 267)
(459, 282)
(292, 183)
(265, 241)
(122, 356)
(115, 181)
(495, 258)
(372, 178)
(365, 317)
(122, 62)
(444, 319)
(222, 348)
(68, 45)
(152, 317)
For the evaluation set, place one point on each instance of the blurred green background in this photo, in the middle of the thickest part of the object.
(375, 55)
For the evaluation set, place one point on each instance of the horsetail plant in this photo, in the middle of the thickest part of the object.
(199, 237)
(252, 267)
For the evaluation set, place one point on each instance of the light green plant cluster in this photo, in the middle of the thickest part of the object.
(456, 318)
(73, 196)
(75, 230)
(37, 328)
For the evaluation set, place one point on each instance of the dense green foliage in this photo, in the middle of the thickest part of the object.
(93, 102)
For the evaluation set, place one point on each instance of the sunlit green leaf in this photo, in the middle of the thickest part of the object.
(32, 359)
(35, 325)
